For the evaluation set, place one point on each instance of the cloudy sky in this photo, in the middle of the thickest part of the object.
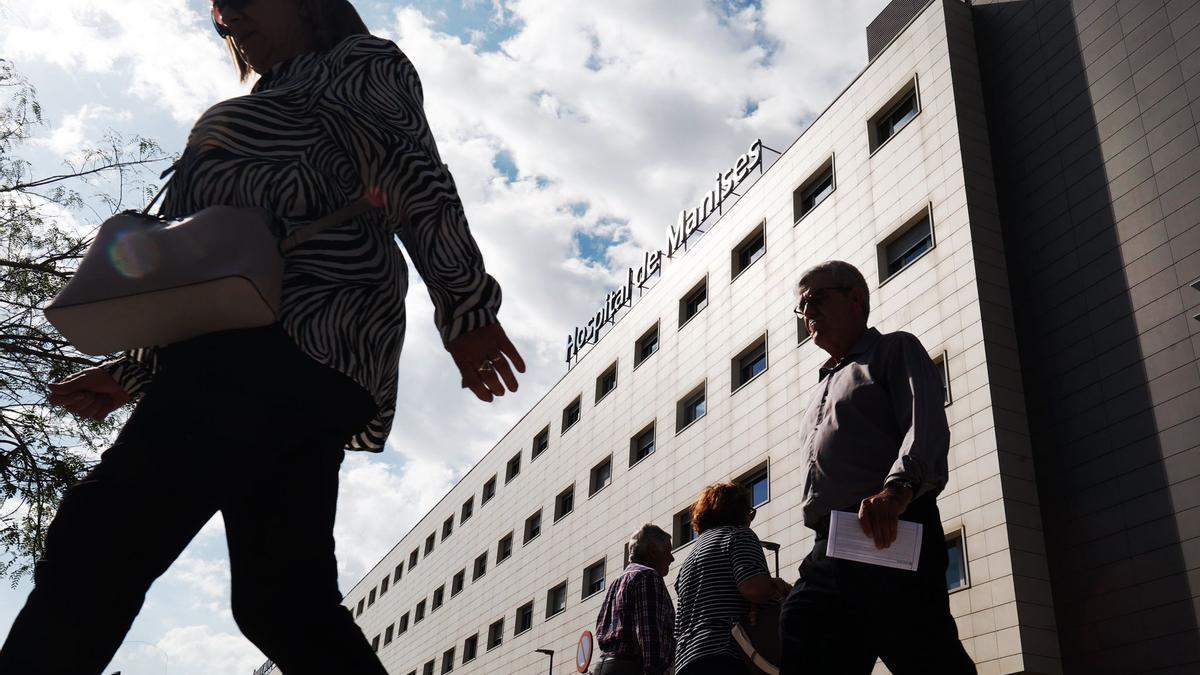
(576, 130)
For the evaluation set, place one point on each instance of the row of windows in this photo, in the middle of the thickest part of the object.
(898, 251)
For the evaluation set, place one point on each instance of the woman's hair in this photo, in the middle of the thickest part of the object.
(720, 504)
(328, 21)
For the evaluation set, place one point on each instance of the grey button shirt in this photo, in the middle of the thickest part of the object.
(879, 414)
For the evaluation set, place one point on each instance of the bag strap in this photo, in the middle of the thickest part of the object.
(370, 200)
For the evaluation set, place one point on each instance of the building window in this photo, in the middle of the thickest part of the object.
(896, 115)
(957, 574)
(456, 584)
(447, 527)
(524, 618)
(412, 558)
(606, 382)
(944, 375)
(593, 578)
(375, 643)
(646, 346)
(495, 634)
(389, 634)
(682, 528)
(489, 490)
(905, 247)
(601, 476)
(749, 364)
(399, 572)
(802, 334)
(468, 510)
(690, 408)
(564, 503)
(813, 191)
(533, 527)
(470, 646)
(748, 251)
(439, 597)
(570, 414)
(429, 542)
(383, 585)
(480, 567)
(361, 603)
(371, 598)
(757, 481)
(419, 614)
(541, 443)
(402, 626)
(504, 548)
(428, 668)
(512, 469)
(693, 302)
(556, 600)
(641, 445)
(448, 660)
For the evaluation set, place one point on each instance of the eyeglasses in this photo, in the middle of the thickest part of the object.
(815, 297)
(219, 6)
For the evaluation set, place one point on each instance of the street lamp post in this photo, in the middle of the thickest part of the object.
(550, 653)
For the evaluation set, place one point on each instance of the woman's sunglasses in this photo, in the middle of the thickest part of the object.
(219, 6)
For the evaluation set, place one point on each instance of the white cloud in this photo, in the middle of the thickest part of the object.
(74, 130)
(199, 649)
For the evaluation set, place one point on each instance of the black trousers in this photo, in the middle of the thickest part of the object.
(841, 615)
(239, 422)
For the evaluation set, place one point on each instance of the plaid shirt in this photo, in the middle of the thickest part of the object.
(637, 620)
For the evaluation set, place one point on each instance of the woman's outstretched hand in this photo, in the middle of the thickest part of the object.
(90, 393)
(483, 358)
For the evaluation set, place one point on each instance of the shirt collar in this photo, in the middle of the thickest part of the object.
(285, 71)
(863, 344)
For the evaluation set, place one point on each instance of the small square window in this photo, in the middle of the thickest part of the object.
(593, 578)
(646, 346)
(447, 527)
(412, 558)
(533, 527)
(456, 584)
(748, 251)
(375, 643)
(541, 442)
(389, 634)
(448, 660)
(693, 302)
(429, 542)
(439, 597)
(468, 510)
(957, 572)
(944, 375)
(905, 247)
(361, 604)
(606, 382)
(512, 469)
(399, 573)
(504, 548)
(690, 408)
(757, 480)
(371, 598)
(556, 600)
(495, 634)
(428, 668)
(489, 490)
(641, 445)
(402, 626)
(683, 532)
(524, 618)
(600, 477)
(564, 503)
(901, 110)
(813, 191)
(470, 647)
(749, 364)
(419, 614)
(383, 585)
(480, 567)
(570, 414)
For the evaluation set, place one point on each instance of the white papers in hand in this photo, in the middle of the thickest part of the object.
(848, 542)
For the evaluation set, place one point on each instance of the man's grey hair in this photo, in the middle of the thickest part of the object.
(843, 274)
(646, 536)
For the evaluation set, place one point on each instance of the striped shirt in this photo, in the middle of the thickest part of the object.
(317, 131)
(636, 620)
(707, 591)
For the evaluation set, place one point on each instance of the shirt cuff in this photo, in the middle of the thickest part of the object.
(132, 376)
(467, 322)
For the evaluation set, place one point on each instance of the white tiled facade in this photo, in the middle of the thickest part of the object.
(933, 163)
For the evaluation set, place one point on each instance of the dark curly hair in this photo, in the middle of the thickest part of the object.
(721, 504)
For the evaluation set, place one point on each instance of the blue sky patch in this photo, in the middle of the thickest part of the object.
(503, 162)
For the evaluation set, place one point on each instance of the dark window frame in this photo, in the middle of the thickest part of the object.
(533, 527)
(602, 383)
(541, 443)
(572, 414)
(489, 490)
(504, 548)
(738, 375)
(636, 446)
(910, 255)
(682, 532)
(698, 394)
(552, 608)
(738, 262)
(458, 582)
(587, 590)
(886, 124)
(593, 488)
(559, 511)
(639, 345)
(495, 636)
(468, 510)
(813, 191)
(512, 468)
(748, 478)
(691, 304)
(523, 619)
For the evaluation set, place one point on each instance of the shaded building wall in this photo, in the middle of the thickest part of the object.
(1092, 109)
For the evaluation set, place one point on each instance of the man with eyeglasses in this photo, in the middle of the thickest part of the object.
(875, 441)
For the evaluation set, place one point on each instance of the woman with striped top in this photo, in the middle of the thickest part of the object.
(253, 423)
(725, 572)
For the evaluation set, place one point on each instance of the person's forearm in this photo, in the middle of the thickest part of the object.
(759, 589)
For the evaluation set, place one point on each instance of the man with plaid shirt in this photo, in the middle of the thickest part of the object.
(636, 624)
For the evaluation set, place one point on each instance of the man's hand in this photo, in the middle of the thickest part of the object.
(879, 515)
(90, 393)
(482, 357)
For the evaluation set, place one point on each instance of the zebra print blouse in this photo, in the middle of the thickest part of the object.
(315, 133)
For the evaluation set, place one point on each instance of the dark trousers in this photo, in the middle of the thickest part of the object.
(842, 615)
(239, 422)
(715, 665)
